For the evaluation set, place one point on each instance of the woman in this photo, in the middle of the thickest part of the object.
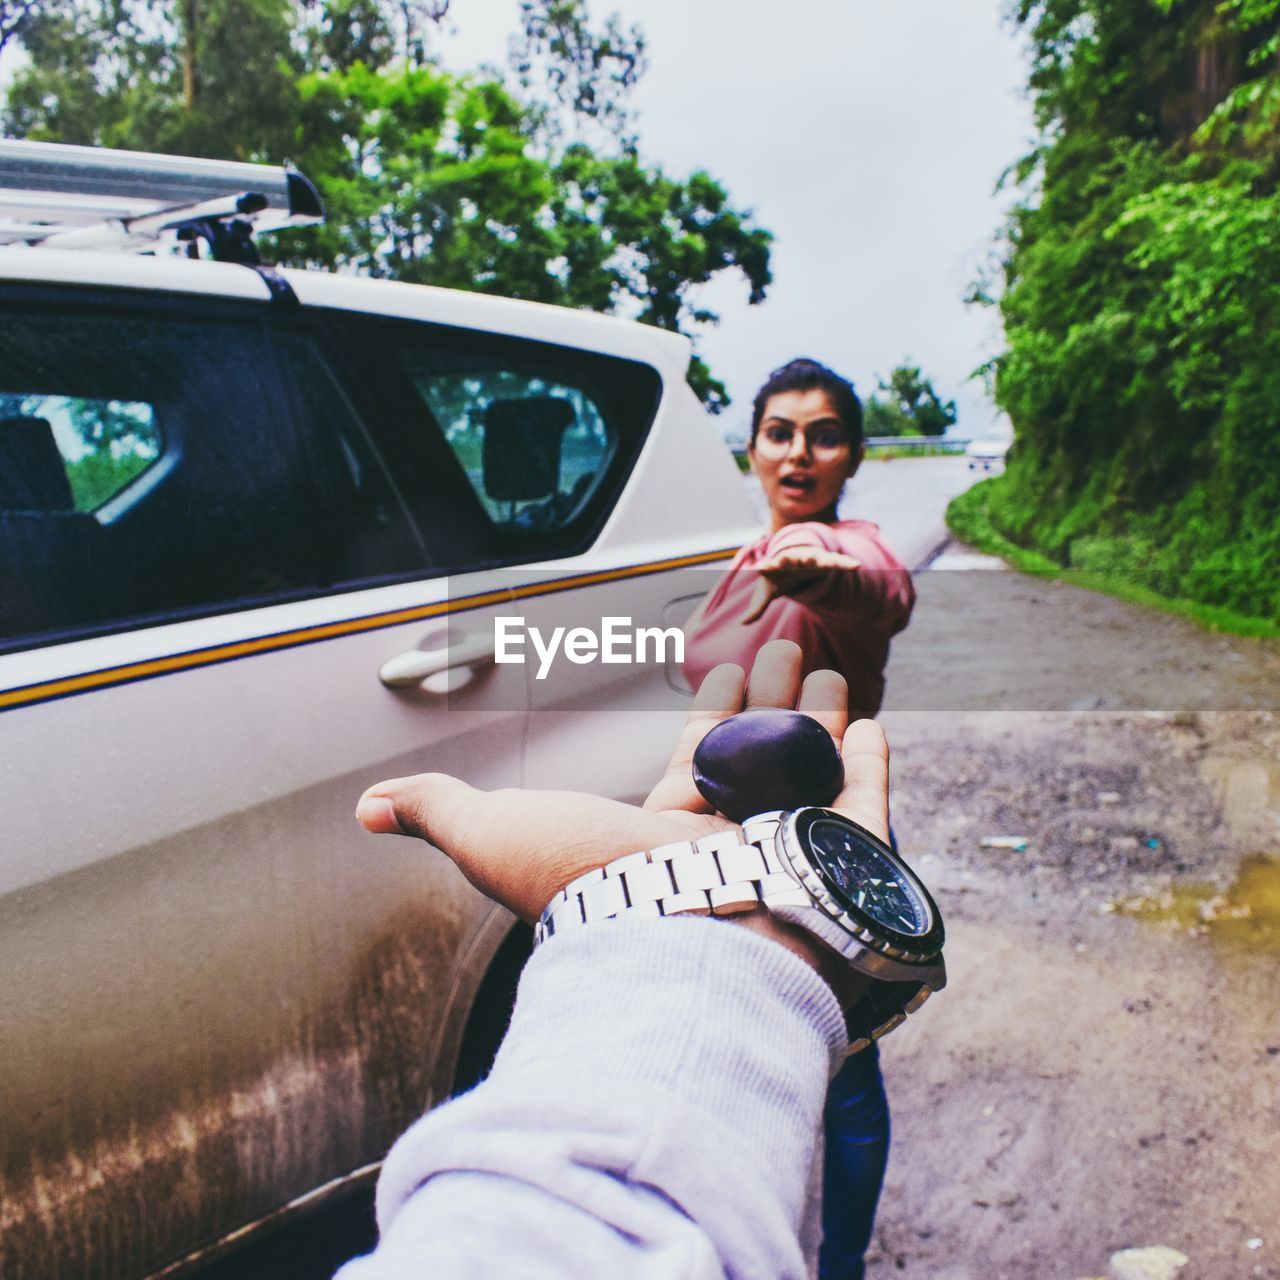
(834, 587)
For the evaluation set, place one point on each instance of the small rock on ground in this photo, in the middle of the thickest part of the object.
(1158, 1262)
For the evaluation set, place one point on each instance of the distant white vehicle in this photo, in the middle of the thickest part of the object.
(986, 453)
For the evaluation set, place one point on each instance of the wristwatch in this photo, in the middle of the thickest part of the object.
(811, 867)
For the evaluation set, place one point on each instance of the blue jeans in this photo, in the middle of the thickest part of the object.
(856, 1124)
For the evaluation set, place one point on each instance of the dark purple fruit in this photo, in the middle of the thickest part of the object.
(767, 759)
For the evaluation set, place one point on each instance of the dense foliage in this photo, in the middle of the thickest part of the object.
(533, 189)
(1141, 298)
(905, 404)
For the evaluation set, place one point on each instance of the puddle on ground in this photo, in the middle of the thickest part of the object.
(1246, 914)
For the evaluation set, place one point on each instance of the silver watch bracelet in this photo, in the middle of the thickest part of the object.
(719, 874)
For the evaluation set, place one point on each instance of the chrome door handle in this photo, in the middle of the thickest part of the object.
(411, 668)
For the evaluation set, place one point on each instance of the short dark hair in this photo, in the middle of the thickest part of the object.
(808, 375)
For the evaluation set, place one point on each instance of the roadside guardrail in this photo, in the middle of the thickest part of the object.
(911, 444)
(943, 444)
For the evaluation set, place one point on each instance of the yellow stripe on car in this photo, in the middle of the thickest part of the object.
(109, 677)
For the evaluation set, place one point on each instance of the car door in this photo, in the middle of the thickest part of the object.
(224, 613)
(597, 490)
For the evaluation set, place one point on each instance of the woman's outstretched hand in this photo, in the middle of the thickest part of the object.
(521, 847)
(797, 572)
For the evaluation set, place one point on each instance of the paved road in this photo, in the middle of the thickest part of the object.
(906, 497)
(1103, 1070)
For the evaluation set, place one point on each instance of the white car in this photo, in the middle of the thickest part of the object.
(255, 528)
(986, 453)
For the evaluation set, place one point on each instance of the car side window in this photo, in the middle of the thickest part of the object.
(161, 466)
(541, 437)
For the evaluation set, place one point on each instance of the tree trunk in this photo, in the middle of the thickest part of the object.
(190, 25)
(1207, 72)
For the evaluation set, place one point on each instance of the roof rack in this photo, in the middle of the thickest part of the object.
(58, 196)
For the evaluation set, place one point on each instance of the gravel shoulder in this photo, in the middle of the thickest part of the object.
(1103, 1071)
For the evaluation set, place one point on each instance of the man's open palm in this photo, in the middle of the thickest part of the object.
(521, 847)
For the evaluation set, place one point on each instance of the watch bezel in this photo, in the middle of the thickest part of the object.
(794, 846)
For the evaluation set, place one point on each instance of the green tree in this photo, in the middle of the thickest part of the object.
(192, 77)
(336, 34)
(907, 405)
(637, 240)
(438, 180)
(14, 15)
(572, 75)
(427, 177)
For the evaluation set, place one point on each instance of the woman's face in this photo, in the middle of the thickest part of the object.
(802, 455)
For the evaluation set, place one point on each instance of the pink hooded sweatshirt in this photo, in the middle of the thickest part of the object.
(847, 626)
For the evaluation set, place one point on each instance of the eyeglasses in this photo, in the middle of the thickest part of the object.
(776, 439)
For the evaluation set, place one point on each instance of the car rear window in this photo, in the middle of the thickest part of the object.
(533, 450)
(539, 438)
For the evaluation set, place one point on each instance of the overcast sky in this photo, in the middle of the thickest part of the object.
(868, 135)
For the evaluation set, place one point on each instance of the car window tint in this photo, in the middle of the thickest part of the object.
(542, 437)
(154, 467)
(104, 444)
(364, 532)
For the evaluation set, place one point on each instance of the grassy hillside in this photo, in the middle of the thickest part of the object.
(969, 517)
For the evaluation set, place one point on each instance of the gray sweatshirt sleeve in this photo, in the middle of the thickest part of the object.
(654, 1112)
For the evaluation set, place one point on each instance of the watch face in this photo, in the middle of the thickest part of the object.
(868, 880)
